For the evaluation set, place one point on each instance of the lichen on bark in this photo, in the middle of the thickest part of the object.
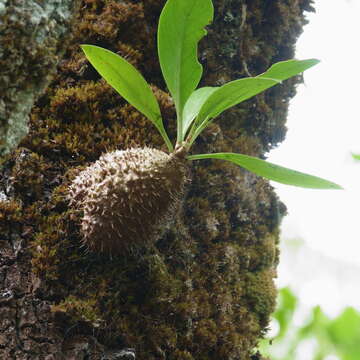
(205, 289)
(33, 37)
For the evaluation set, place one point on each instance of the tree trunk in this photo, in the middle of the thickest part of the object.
(205, 290)
(33, 37)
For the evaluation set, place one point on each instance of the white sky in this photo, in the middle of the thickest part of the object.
(324, 128)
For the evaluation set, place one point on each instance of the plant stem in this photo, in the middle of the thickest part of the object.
(168, 142)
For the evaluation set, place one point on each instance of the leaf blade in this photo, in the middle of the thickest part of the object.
(193, 106)
(227, 96)
(128, 82)
(271, 171)
(234, 92)
(181, 26)
(283, 70)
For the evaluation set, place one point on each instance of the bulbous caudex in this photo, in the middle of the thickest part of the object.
(128, 197)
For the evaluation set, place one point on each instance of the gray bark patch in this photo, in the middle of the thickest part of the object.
(32, 39)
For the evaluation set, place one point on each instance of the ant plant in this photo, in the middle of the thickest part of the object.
(147, 181)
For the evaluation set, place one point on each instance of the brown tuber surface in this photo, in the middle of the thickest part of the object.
(128, 196)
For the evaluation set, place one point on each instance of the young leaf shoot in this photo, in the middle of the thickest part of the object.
(181, 26)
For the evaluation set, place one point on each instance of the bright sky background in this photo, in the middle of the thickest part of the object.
(324, 128)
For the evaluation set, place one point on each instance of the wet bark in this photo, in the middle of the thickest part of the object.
(205, 289)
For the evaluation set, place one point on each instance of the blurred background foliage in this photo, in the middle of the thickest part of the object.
(316, 337)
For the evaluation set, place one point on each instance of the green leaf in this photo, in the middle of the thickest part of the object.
(193, 105)
(356, 156)
(345, 329)
(285, 310)
(240, 90)
(181, 26)
(226, 97)
(128, 82)
(271, 171)
(344, 333)
(286, 69)
(316, 327)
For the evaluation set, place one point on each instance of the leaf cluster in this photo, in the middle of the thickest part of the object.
(181, 26)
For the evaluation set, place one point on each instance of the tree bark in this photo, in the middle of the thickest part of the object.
(205, 290)
(33, 37)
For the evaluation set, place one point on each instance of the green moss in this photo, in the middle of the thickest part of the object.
(259, 284)
(79, 310)
(29, 173)
(181, 355)
(10, 215)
